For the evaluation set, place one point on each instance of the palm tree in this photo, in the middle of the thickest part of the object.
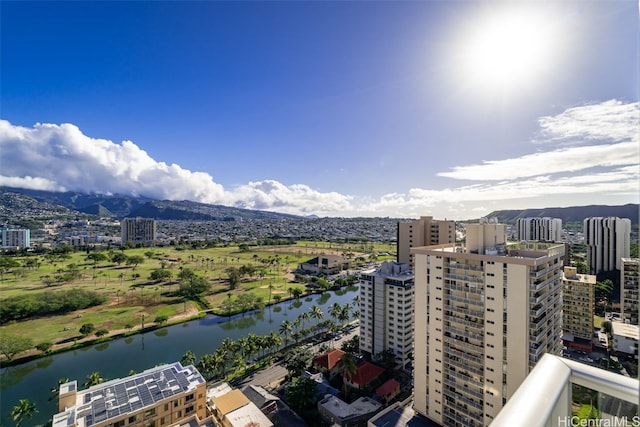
(24, 409)
(286, 329)
(348, 367)
(317, 313)
(189, 358)
(92, 379)
(345, 314)
(335, 310)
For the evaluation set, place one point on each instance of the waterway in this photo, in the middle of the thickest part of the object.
(115, 359)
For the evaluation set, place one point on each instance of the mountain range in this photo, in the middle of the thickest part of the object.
(21, 203)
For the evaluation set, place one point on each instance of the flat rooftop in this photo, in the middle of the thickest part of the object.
(123, 396)
(626, 330)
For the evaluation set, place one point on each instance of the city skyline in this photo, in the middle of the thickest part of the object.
(326, 108)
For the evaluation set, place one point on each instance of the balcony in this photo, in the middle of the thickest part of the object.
(544, 398)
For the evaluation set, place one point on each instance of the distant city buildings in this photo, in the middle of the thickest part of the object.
(540, 229)
(386, 311)
(425, 231)
(578, 301)
(163, 395)
(485, 313)
(629, 293)
(607, 240)
(16, 238)
(138, 231)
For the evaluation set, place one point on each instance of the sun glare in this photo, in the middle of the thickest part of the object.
(506, 49)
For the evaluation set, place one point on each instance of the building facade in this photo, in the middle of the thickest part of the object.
(485, 313)
(540, 229)
(422, 232)
(138, 231)
(578, 301)
(607, 240)
(16, 238)
(161, 396)
(629, 295)
(386, 311)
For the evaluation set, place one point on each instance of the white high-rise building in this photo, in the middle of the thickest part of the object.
(629, 292)
(16, 238)
(422, 232)
(540, 229)
(138, 231)
(386, 311)
(485, 313)
(608, 241)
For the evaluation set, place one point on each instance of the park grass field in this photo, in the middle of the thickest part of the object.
(131, 294)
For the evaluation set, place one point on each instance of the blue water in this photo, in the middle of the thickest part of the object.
(115, 359)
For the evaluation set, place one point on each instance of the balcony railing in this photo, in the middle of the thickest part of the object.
(544, 398)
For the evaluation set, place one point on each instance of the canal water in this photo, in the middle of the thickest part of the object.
(34, 380)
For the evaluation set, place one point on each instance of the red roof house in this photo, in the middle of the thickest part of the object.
(365, 373)
(388, 390)
(327, 362)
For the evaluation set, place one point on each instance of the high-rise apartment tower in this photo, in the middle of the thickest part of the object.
(485, 313)
(629, 295)
(386, 311)
(607, 240)
(138, 231)
(578, 301)
(422, 232)
(540, 229)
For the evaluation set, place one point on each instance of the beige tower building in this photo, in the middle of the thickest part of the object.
(578, 300)
(485, 313)
(629, 294)
(138, 231)
(422, 232)
(386, 311)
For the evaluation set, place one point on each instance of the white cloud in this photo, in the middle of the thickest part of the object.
(613, 125)
(608, 121)
(61, 158)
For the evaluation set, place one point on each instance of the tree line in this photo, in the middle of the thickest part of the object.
(46, 303)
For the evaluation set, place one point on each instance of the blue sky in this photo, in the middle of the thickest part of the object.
(361, 108)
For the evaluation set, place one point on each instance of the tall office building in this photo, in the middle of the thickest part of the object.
(16, 238)
(386, 311)
(540, 229)
(485, 313)
(138, 231)
(161, 396)
(422, 232)
(629, 294)
(578, 301)
(607, 240)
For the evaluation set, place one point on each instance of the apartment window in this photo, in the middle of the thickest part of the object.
(134, 418)
(189, 409)
(164, 421)
(149, 413)
(166, 407)
(119, 423)
(177, 402)
(189, 397)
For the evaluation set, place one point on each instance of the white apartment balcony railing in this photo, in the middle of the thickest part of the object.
(544, 398)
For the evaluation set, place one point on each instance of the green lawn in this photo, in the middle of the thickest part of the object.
(131, 294)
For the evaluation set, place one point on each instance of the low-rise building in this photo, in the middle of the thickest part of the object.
(337, 412)
(163, 395)
(234, 409)
(327, 362)
(325, 264)
(625, 338)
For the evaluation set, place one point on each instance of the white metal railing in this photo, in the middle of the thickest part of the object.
(544, 397)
